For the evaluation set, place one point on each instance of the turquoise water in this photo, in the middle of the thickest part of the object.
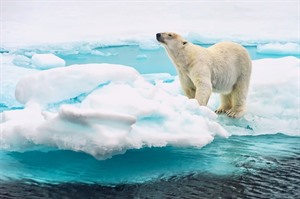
(223, 157)
(230, 160)
(144, 61)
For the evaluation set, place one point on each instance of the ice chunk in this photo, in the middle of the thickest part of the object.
(21, 60)
(58, 84)
(141, 57)
(46, 61)
(279, 48)
(10, 75)
(18, 127)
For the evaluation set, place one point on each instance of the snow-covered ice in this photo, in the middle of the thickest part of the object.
(121, 111)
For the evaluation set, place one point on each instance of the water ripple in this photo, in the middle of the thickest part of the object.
(282, 181)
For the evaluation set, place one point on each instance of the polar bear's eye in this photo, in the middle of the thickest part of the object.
(170, 35)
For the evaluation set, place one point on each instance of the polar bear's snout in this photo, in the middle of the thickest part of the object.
(159, 37)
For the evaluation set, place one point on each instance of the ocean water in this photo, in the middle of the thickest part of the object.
(149, 60)
(265, 166)
(261, 166)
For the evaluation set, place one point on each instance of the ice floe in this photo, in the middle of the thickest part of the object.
(120, 109)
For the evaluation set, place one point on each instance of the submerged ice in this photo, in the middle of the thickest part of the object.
(117, 109)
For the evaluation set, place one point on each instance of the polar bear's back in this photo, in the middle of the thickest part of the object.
(231, 61)
(231, 53)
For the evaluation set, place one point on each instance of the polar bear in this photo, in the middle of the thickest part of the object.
(224, 68)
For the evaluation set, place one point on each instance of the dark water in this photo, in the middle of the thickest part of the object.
(280, 182)
(266, 166)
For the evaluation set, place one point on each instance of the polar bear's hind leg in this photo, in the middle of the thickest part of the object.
(226, 103)
(238, 99)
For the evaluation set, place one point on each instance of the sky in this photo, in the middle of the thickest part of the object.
(34, 22)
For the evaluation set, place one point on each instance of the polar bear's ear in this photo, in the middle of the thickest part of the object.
(184, 43)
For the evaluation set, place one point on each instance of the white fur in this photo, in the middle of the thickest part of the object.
(224, 68)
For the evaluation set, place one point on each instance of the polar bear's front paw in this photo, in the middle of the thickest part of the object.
(221, 110)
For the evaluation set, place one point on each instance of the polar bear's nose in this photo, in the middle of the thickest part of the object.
(158, 35)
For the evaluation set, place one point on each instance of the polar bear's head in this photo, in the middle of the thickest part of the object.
(171, 40)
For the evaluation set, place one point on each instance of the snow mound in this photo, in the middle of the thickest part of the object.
(46, 61)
